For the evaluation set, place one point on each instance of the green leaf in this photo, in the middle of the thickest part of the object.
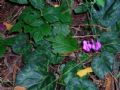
(17, 27)
(37, 58)
(51, 14)
(59, 28)
(38, 4)
(81, 9)
(41, 32)
(100, 2)
(83, 57)
(55, 58)
(20, 1)
(33, 20)
(28, 12)
(79, 84)
(68, 71)
(31, 73)
(113, 47)
(108, 37)
(62, 44)
(4, 43)
(110, 41)
(21, 45)
(42, 54)
(102, 65)
(31, 30)
(2, 50)
(107, 15)
(65, 17)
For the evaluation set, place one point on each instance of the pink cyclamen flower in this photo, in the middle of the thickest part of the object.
(89, 44)
(2, 27)
(98, 46)
(86, 48)
(92, 44)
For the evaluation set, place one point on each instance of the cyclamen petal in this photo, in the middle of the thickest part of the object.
(92, 44)
(89, 45)
(85, 46)
(93, 47)
(2, 27)
(98, 46)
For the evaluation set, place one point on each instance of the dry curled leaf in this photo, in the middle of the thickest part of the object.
(84, 72)
(110, 82)
(8, 25)
(20, 88)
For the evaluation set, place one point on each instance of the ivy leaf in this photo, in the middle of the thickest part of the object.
(37, 58)
(62, 44)
(38, 4)
(102, 65)
(81, 8)
(107, 15)
(80, 84)
(108, 37)
(20, 1)
(113, 47)
(31, 73)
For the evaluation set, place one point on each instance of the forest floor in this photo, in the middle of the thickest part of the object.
(11, 63)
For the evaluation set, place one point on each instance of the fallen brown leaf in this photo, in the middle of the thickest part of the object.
(20, 88)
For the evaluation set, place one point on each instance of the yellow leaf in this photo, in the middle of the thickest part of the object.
(20, 88)
(89, 69)
(84, 72)
(8, 25)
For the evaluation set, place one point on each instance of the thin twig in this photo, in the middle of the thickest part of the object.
(85, 36)
(76, 28)
(92, 25)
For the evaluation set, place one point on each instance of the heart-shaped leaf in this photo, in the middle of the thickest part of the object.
(31, 77)
(102, 64)
(79, 84)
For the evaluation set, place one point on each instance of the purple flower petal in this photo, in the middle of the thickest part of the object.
(89, 44)
(2, 27)
(98, 46)
(92, 44)
(85, 46)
